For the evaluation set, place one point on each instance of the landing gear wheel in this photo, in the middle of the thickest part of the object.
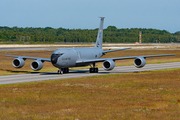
(96, 70)
(65, 70)
(60, 71)
(93, 70)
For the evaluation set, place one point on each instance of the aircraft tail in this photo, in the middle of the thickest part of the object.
(100, 34)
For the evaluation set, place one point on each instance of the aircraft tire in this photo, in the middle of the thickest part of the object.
(90, 70)
(65, 70)
(93, 70)
(96, 70)
(60, 72)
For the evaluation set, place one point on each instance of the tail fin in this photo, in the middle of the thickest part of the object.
(100, 34)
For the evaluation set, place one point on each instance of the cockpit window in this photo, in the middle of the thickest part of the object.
(54, 57)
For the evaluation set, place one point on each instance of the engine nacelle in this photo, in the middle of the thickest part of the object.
(36, 65)
(18, 62)
(139, 62)
(108, 65)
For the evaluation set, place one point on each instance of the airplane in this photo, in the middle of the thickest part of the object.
(64, 58)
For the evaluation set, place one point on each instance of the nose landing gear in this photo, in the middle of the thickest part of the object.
(63, 70)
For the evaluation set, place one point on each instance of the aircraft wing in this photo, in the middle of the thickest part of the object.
(115, 50)
(81, 61)
(36, 58)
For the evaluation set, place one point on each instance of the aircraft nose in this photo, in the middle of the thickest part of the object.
(54, 58)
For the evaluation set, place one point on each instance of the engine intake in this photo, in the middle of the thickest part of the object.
(18, 62)
(108, 65)
(36, 65)
(139, 62)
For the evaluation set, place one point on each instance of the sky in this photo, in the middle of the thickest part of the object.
(83, 14)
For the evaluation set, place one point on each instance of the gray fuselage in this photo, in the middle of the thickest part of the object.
(67, 57)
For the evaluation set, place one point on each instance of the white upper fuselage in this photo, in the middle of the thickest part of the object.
(69, 56)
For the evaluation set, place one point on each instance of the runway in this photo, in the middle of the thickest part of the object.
(10, 79)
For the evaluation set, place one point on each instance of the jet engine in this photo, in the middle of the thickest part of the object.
(108, 65)
(18, 62)
(139, 62)
(36, 65)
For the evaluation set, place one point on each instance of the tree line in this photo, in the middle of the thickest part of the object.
(111, 35)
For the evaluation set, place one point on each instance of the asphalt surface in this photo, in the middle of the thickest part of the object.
(10, 79)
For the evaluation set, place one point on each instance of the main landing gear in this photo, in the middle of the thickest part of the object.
(63, 70)
(93, 69)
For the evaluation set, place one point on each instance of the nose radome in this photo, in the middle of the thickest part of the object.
(54, 58)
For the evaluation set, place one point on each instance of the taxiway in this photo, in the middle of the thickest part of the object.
(10, 79)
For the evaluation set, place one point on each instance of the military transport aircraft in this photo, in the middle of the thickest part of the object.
(64, 58)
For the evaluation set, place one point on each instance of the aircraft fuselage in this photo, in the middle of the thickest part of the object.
(67, 57)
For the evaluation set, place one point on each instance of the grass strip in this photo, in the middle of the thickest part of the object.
(143, 95)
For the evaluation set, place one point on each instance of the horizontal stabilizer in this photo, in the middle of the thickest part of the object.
(115, 50)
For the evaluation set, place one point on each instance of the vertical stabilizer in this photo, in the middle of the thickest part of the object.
(100, 34)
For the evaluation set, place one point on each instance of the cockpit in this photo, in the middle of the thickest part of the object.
(54, 58)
